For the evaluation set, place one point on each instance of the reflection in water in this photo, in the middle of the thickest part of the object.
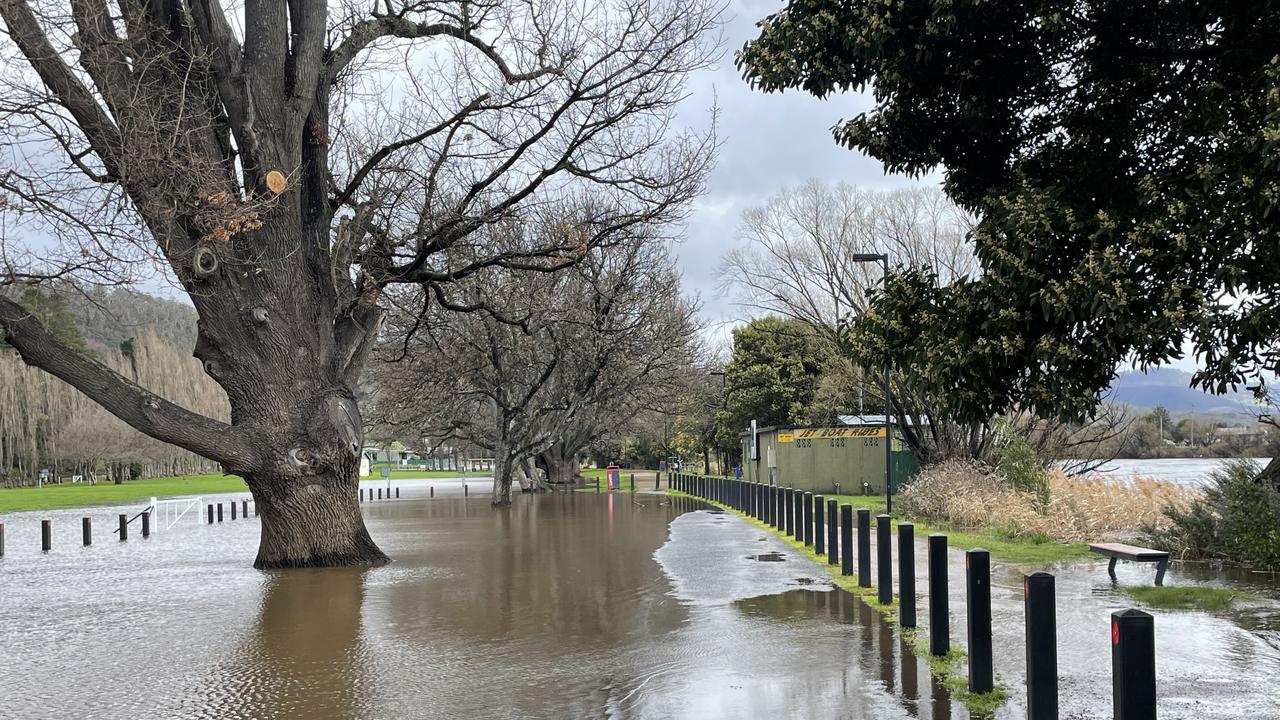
(303, 656)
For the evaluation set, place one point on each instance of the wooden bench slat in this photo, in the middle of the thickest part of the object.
(1128, 551)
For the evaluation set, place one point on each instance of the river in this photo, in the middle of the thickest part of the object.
(1191, 472)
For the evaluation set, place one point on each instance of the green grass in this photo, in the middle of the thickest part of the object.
(66, 495)
(949, 669)
(1187, 597)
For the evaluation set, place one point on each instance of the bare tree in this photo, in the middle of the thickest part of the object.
(550, 363)
(285, 163)
(800, 261)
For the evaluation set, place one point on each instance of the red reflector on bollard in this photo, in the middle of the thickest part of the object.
(1115, 633)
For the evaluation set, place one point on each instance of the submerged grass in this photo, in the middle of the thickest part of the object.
(1187, 597)
(950, 669)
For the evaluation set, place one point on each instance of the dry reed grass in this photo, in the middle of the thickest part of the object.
(970, 496)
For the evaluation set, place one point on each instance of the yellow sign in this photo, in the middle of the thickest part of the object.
(786, 437)
(839, 432)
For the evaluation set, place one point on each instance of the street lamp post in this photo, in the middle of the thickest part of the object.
(883, 259)
(719, 453)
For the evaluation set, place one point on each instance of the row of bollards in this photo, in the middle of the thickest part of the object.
(214, 510)
(372, 497)
(804, 516)
(86, 531)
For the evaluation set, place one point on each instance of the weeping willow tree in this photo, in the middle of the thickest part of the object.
(47, 424)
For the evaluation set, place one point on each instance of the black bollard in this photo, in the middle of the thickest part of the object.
(397, 493)
(1133, 665)
(1042, 646)
(361, 494)
(657, 481)
(219, 512)
(379, 493)
(1, 539)
(884, 560)
(939, 615)
(789, 513)
(432, 490)
(210, 513)
(798, 515)
(244, 509)
(833, 534)
(633, 483)
(86, 531)
(46, 535)
(233, 509)
(124, 528)
(467, 491)
(864, 548)
(906, 575)
(977, 563)
(846, 539)
(819, 527)
(146, 520)
(808, 518)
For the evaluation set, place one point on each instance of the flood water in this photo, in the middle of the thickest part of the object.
(1191, 472)
(564, 606)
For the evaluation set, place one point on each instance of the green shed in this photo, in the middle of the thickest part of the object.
(847, 458)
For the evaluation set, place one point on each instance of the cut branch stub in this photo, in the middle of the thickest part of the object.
(276, 181)
(204, 262)
(259, 315)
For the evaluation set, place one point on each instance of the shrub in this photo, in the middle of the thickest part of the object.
(968, 495)
(1019, 464)
(1237, 519)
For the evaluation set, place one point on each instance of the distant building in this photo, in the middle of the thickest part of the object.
(1239, 434)
(849, 457)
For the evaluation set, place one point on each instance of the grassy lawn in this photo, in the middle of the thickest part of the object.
(66, 495)
(1187, 597)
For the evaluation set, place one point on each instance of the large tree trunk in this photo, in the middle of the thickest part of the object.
(315, 523)
(562, 467)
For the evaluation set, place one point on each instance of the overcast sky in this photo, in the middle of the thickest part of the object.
(768, 142)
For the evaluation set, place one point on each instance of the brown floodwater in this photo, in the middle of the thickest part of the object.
(563, 606)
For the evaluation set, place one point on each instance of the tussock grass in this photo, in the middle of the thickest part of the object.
(969, 496)
(1188, 597)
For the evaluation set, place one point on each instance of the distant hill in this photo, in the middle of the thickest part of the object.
(1172, 389)
(112, 315)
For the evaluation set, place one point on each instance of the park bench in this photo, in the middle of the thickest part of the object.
(1120, 551)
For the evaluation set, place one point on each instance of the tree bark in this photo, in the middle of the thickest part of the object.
(502, 468)
(312, 523)
(562, 468)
